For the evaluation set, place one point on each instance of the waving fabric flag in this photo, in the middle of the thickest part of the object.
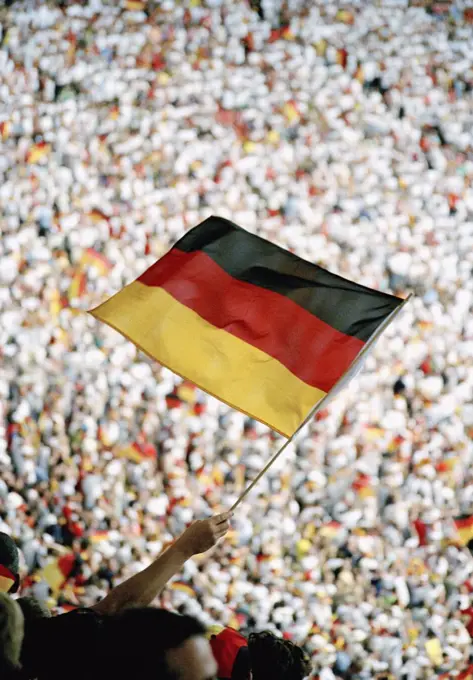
(464, 526)
(136, 452)
(256, 326)
(92, 258)
(467, 674)
(78, 286)
(57, 571)
(7, 579)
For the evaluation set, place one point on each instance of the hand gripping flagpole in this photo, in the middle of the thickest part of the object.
(320, 404)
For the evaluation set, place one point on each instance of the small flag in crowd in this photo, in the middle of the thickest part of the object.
(7, 579)
(342, 58)
(135, 5)
(99, 536)
(186, 391)
(464, 527)
(256, 326)
(92, 258)
(283, 33)
(173, 400)
(345, 17)
(78, 286)
(434, 651)
(37, 152)
(448, 464)
(136, 452)
(97, 216)
(321, 47)
(5, 128)
(331, 529)
(363, 486)
(57, 571)
(467, 674)
(181, 587)
(291, 112)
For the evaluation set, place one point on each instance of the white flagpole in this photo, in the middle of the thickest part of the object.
(324, 400)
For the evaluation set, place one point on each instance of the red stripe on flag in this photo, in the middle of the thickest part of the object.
(464, 522)
(311, 349)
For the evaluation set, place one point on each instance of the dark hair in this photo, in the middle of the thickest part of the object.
(9, 558)
(33, 611)
(276, 658)
(136, 641)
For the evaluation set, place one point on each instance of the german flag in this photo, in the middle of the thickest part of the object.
(291, 112)
(345, 17)
(92, 258)
(136, 453)
(330, 530)
(186, 392)
(173, 400)
(135, 5)
(37, 152)
(181, 587)
(447, 464)
(57, 571)
(363, 487)
(254, 325)
(7, 579)
(78, 286)
(96, 216)
(464, 526)
(467, 674)
(5, 128)
(342, 57)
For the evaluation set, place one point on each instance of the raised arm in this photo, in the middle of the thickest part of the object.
(143, 588)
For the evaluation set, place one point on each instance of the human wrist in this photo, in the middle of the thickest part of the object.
(183, 547)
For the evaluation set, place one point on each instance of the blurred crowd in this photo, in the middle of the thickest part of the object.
(343, 133)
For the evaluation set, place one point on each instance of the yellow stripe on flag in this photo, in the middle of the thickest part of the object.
(135, 5)
(466, 534)
(37, 152)
(5, 129)
(53, 576)
(131, 452)
(183, 588)
(291, 113)
(220, 363)
(5, 584)
(186, 392)
(78, 286)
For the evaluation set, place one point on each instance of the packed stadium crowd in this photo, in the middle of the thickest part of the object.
(342, 133)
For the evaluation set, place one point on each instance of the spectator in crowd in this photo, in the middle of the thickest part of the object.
(341, 133)
(85, 626)
(9, 565)
(11, 637)
(154, 643)
(263, 655)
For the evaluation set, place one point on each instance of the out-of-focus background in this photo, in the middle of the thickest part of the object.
(343, 132)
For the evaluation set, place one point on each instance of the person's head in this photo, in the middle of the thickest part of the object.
(33, 610)
(11, 634)
(9, 565)
(276, 658)
(157, 644)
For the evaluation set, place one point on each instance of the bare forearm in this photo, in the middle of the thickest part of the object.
(143, 588)
(140, 590)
